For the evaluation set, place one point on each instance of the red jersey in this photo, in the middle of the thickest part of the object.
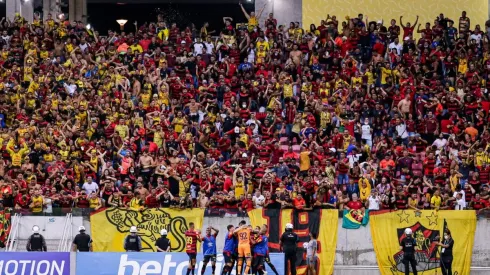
(191, 238)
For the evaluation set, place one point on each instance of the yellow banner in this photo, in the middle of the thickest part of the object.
(110, 227)
(387, 230)
(322, 222)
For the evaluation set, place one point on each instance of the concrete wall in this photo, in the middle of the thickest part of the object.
(285, 11)
(51, 227)
(25, 9)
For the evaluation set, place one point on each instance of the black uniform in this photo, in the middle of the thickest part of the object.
(289, 241)
(36, 242)
(132, 243)
(408, 245)
(163, 243)
(447, 257)
(83, 242)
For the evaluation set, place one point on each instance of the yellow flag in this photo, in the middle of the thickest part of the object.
(321, 222)
(387, 230)
(110, 226)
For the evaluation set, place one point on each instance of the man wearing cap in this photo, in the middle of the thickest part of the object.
(163, 243)
(407, 245)
(288, 243)
(132, 242)
(36, 242)
(82, 241)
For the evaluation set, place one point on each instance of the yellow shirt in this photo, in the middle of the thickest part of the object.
(263, 43)
(384, 74)
(239, 189)
(436, 201)
(122, 130)
(94, 202)
(287, 90)
(364, 192)
(304, 161)
(37, 204)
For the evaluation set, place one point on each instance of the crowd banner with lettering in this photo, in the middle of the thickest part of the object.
(353, 219)
(5, 225)
(53, 263)
(387, 230)
(110, 226)
(150, 263)
(322, 222)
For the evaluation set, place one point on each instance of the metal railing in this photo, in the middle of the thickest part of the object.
(67, 236)
(12, 239)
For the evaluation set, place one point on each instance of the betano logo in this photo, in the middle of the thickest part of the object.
(168, 266)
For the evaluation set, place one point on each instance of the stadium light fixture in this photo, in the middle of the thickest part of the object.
(121, 23)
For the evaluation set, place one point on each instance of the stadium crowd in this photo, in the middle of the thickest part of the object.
(354, 114)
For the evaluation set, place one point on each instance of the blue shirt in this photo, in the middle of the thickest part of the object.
(209, 245)
(230, 243)
(261, 247)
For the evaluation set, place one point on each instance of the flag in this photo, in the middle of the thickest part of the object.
(388, 231)
(110, 226)
(353, 219)
(322, 222)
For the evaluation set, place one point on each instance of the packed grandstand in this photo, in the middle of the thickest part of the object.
(349, 114)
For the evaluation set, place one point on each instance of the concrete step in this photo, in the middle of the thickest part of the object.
(52, 245)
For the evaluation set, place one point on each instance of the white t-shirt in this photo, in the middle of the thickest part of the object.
(48, 206)
(463, 197)
(460, 204)
(401, 130)
(373, 203)
(439, 143)
(258, 201)
(90, 187)
(198, 47)
(366, 131)
(398, 47)
(209, 47)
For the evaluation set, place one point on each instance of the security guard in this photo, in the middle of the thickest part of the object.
(132, 242)
(36, 242)
(446, 253)
(82, 241)
(163, 243)
(288, 243)
(408, 246)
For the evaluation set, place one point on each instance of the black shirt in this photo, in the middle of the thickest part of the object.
(163, 243)
(408, 245)
(82, 241)
(447, 252)
(289, 241)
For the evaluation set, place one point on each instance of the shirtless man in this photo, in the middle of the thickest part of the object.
(193, 108)
(404, 105)
(296, 55)
(146, 163)
(141, 190)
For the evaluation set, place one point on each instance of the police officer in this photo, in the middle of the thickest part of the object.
(163, 243)
(82, 241)
(36, 242)
(408, 247)
(288, 243)
(446, 253)
(132, 242)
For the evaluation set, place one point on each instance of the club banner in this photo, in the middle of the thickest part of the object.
(322, 222)
(387, 230)
(353, 219)
(110, 226)
(4, 227)
(151, 263)
(20, 263)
